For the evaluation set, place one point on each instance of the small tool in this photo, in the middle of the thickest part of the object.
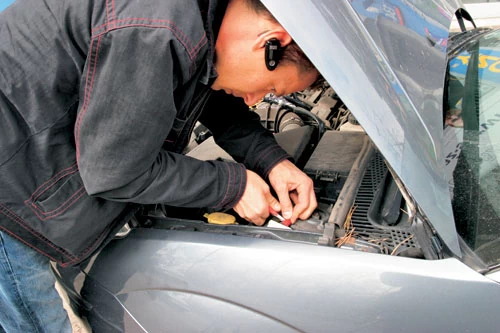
(285, 222)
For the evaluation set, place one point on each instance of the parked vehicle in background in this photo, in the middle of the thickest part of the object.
(403, 146)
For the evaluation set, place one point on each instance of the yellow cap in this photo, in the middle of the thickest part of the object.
(220, 218)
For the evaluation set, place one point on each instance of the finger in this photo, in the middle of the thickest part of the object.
(310, 208)
(257, 221)
(260, 214)
(295, 199)
(301, 205)
(273, 202)
(251, 215)
(285, 202)
(308, 211)
(260, 208)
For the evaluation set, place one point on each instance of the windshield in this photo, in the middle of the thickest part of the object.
(472, 134)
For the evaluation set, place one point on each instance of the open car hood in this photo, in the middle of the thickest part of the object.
(387, 62)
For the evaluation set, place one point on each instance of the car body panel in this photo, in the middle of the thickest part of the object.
(212, 282)
(401, 112)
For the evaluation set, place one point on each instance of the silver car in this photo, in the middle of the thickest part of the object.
(403, 145)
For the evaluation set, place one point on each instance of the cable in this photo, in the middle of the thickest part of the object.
(299, 110)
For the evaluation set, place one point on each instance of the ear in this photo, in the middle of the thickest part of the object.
(279, 33)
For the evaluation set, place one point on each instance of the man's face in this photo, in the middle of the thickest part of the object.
(250, 79)
(253, 85)
(239, 56)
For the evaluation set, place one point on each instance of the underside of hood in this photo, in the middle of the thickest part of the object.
(387, 61)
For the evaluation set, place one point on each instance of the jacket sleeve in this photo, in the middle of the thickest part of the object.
(239, 132)
(127, 108)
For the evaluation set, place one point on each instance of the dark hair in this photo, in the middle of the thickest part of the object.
(292, 53)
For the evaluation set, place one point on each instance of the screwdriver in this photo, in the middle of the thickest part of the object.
(285, 222)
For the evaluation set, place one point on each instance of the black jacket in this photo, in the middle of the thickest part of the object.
(97, 102)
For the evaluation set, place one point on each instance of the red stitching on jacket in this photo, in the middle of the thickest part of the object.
(114, 23)
(266, 152)
(51, 185)
(273, 164)
(240, 189)
(53, 180)
(86, 97)
(99, 27)
(234, 176)
(76, 196)
(26, 243)
(192, 51)
(203, 41)
(264, 155)
(197, 50)
(221, 203)
(108, 27)
(90, 248)
(71, 200)
(113, 11)
(181, 37)
(23, 224)
(42, 218)
(107, 11)
(235, 173)
(78, 120)
(154, 26)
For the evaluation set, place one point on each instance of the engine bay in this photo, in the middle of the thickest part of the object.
(360, 205)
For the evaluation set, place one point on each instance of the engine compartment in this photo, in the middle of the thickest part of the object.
(360, 205)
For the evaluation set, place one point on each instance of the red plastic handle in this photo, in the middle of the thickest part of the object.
(285, 222)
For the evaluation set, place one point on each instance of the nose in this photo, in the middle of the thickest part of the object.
(252, 99)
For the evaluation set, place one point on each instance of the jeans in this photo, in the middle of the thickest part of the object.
(29, 301)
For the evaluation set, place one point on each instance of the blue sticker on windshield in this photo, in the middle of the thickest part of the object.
(5, 3)
(489, 64)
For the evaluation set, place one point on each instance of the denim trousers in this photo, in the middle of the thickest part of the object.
(29, 301)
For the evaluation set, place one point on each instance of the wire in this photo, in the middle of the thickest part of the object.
(283, 102)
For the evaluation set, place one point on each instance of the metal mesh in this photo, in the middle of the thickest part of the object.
(387, 237)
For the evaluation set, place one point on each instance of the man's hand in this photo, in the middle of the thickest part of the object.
(290, 182)
(254, 204)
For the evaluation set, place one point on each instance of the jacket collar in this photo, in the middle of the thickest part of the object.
(213, 12)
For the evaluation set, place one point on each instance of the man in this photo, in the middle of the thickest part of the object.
(97, 101)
